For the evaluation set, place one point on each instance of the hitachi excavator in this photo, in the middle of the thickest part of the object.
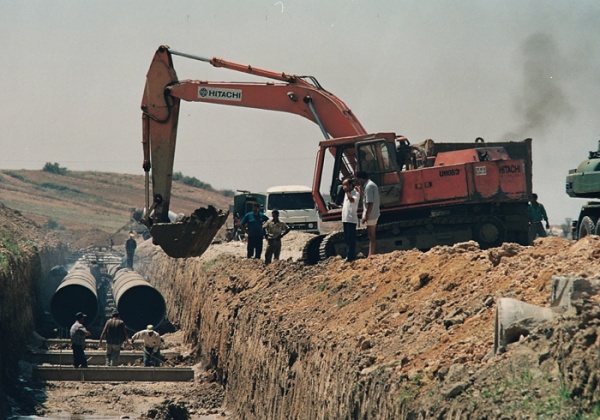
(431, 194)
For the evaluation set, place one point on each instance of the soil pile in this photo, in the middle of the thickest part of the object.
(402, 334)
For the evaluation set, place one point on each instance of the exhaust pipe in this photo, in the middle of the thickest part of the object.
(76, 293)
(138, 302)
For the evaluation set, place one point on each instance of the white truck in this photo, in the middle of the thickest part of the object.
(296, 207)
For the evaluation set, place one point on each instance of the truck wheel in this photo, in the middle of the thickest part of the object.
(587, 226)
(597, 230)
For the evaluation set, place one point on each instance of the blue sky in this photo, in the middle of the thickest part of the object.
(73, 74)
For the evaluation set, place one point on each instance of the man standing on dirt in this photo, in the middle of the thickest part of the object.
(78, 334)
(252, 225)
(370, 207)
(151, 345)
(274, 230)
(115, 333)
(130, 246)
(350, 217)
(537, 214)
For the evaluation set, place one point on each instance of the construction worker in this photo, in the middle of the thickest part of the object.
(115, 333)
(370, 213)
(274, 230)
(78, 334)
(252, 225)
(152, 342)
(537, 214)
(350, 217)
(130, 246)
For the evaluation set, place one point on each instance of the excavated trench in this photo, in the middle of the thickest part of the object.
(25, 285)
(402, 335)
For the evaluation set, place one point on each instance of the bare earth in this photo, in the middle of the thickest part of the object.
(422, 312)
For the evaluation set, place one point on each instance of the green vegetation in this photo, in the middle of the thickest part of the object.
(16, 176)
(58, 187)
(54, 168)
(207, 265)
(522, 392)
(52, 224)
(7, 246)
(191, 181)
(196, 183)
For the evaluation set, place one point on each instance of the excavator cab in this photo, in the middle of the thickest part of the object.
(373, 153)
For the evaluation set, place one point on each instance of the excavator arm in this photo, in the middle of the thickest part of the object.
(300, 95)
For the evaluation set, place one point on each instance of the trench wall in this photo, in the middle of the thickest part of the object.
(271, 366)
(23, 277)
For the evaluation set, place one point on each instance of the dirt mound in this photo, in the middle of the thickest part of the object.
(423, 323)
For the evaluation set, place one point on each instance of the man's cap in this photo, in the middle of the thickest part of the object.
(150, 327)
(275, 212)
(131, 235)
(115, 313)
(80, 315)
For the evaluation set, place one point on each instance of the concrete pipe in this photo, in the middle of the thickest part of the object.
(112, 269)
(515, 318)
(76, 293)
(138, 303)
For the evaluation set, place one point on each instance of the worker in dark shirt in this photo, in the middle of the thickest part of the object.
(537, 215)
(130, 246)
(115, 333)
(252, 225)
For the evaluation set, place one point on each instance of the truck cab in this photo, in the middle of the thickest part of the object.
(296, 207)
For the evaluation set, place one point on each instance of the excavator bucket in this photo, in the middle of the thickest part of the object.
(191, 236)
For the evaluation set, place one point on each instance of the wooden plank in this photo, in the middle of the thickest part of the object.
(95, 357)
(113, 374)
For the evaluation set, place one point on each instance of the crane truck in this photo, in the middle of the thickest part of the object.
(431, 193)
(584, 182)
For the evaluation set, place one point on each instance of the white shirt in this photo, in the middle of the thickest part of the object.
(372, 196)
(151, 338)
(350, 209)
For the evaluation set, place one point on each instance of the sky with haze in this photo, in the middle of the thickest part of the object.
(73, 74)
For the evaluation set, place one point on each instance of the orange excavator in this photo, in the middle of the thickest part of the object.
(431, 193)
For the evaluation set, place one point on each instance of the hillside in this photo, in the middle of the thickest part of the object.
(87, 208)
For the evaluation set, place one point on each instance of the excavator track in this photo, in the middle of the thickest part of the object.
(425, 233)
(310, 252)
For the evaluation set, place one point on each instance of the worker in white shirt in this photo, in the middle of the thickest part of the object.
(152, 342)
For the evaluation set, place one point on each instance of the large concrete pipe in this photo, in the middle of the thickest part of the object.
(76, 293)
(138, 303)
(515, 318)
(113, 268)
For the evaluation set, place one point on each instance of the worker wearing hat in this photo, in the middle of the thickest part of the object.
(152, 342)
(130, 246)
(78, 334)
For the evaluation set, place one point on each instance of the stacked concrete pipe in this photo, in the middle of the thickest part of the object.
(76, 293)
(137, 301)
